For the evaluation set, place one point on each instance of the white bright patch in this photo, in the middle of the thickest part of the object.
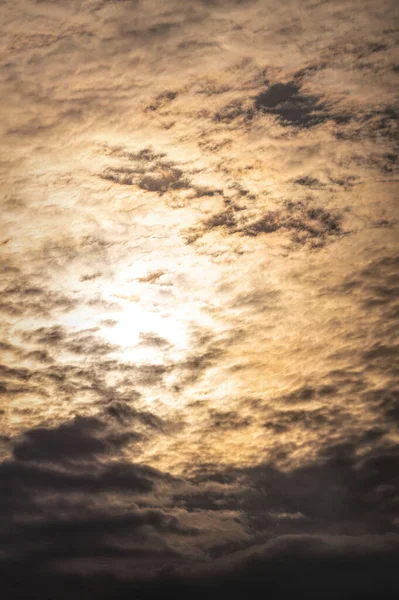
(134, 322)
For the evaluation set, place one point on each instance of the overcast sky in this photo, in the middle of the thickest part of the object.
(199, 298)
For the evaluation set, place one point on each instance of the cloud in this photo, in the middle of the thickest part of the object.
(307, 224)
(35, 300)
(293, 107)
(228, 420)
(199, 299)
(331, 511)
(79, 439)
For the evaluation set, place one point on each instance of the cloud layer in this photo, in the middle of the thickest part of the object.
(199, 299)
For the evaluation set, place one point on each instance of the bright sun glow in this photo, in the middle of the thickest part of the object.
(144, 335)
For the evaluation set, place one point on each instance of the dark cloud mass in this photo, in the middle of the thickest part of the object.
(199, 299)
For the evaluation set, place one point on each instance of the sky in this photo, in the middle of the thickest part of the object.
(199, 298)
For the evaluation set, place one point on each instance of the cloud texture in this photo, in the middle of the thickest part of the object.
(199, 299)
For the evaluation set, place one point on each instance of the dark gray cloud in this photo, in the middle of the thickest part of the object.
(294, 107)
(337, 510)
(82, 438)
(305, 223)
